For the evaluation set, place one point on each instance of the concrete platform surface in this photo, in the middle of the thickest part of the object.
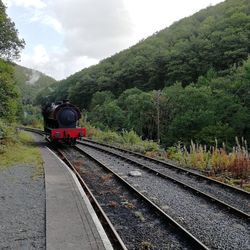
(71, 222)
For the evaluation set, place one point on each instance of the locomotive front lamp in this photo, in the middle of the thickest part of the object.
(81, 134)
(57, 135)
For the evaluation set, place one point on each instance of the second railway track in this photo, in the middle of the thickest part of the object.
(234, 198)
(214, 224)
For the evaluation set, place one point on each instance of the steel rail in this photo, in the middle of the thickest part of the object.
(114, 237)
(194, 242)
(170, 165)
(106, 223)
(174, 180)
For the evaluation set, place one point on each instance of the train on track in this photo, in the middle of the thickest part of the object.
(60, 122)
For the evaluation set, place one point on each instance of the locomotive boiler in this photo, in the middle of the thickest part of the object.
(60, 122)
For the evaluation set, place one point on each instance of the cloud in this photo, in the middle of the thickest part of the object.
(37, 4)
(90, 30)
(93, 28)
(33, 77)
(43, 18)
(57, 63)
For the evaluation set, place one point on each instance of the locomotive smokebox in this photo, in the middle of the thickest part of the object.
(67, 117)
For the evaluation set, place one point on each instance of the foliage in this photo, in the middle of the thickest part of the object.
(31, 116)
(7, 135)
(8, 92)
(200, 112)
(108, 114)
(10, 44)
(126, 139)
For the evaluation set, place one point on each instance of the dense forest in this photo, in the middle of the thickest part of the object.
(188, 81)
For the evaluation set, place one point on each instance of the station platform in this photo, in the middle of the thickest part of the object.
(71, 222)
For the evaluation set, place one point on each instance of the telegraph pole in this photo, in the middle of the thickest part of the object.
(158, 114)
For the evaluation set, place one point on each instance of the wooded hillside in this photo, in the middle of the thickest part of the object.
(198, 66)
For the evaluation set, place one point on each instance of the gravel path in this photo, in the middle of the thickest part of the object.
(216, 228)
(22, 210)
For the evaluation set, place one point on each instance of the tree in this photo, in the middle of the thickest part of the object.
(100, 97)
(108, 115)
(8, 92)
(10, 44)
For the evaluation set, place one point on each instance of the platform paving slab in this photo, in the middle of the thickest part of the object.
(71, 222)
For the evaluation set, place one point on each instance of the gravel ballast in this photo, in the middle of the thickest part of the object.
(216, 228)
(137, 224)
(22, 210)
(233, 197)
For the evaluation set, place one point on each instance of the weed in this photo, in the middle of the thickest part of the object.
(146, 245)
(140, 216)
(128, 204)
(216, 161)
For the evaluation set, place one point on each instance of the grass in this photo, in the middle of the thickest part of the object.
(229, 167)
(22, 150)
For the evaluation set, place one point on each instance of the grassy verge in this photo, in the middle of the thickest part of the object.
(22, 150)
(126, 139)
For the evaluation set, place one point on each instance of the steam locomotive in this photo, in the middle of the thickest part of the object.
(60, 122)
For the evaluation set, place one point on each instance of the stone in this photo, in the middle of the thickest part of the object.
(134, 173)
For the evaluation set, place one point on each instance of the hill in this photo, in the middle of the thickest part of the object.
(216, 37)
(188, 81)
(30, 82)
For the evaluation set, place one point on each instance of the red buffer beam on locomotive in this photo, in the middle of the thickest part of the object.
(60, 120)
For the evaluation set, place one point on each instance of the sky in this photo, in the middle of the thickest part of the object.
(65, 36)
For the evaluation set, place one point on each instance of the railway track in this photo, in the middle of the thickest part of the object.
(233, 198)
(141, 223)
(229, 220)
(114, 237)
(149, 227)
(108, 226)
(208, 219)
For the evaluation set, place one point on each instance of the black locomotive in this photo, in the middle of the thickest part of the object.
(60, 122)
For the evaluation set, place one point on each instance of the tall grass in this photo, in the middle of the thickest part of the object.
(216, 161)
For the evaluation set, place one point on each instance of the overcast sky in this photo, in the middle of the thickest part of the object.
(65, 36)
